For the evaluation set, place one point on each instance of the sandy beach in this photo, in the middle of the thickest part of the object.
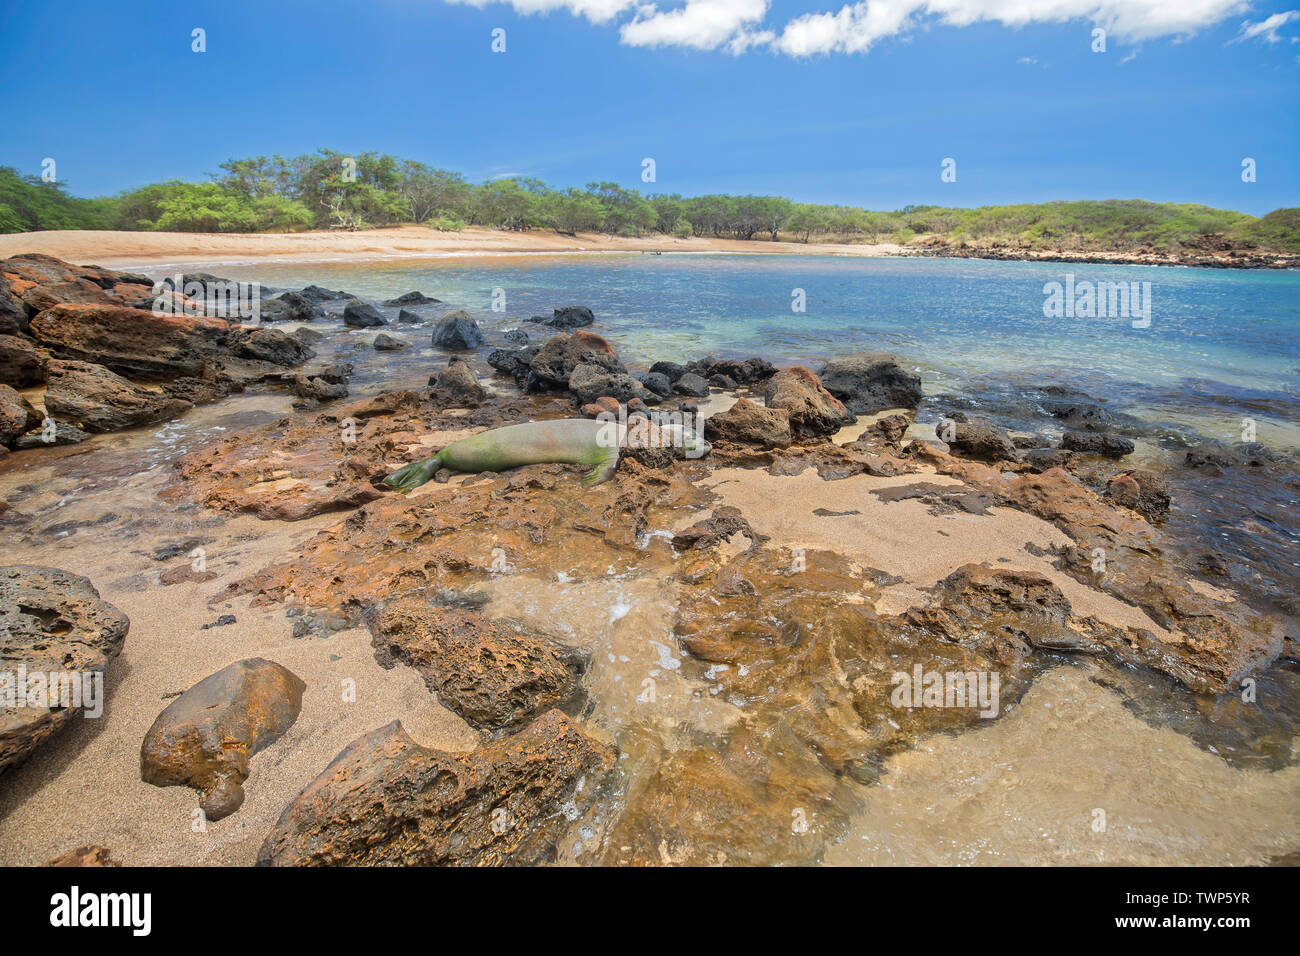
(121, 249)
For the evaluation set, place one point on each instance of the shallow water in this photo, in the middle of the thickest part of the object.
(1222, 344)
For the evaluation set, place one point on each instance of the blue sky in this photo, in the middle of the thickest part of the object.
(854, 104)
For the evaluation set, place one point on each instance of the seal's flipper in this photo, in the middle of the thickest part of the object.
(415, 474)
(604, 469)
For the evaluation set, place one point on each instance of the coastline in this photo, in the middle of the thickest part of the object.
(118, 249)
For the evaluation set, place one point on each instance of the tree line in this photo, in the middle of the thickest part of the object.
(333, 190)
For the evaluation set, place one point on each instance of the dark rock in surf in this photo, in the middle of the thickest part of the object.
(458, 331)
(361, 315)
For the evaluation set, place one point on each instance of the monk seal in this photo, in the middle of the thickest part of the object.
(576, 441)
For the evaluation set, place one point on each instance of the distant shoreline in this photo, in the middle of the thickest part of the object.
(118, 249)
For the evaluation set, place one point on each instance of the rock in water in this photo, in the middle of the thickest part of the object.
(289, 307)
(458, 331)
(492, 674)
(206, 736)
(570, 317)
(361, 315)
(50, 621)
(871, 382)
(1097, 443)
(386, 343)
(412, 298)
(387, 801)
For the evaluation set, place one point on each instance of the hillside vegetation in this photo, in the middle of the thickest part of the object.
(333, 190)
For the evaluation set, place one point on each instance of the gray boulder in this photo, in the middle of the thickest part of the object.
(871, 382)
(458, 331)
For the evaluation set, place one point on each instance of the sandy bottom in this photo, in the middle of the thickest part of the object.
(1070, 776)
(904, 538)
(84, 786)
(122, 249)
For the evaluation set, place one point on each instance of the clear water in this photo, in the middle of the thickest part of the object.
(1222, 344)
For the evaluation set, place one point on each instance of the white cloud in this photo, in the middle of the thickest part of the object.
(701, 24)
(597, 11)
(859, 26)
(1266, 29)
(737, 25)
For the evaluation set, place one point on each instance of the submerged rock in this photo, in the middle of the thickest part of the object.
(206, 736)
(387, 801)
(513, 362)
(494, 674)
(413, 298)
(51, 621)
(1097, 443)
(319, 294)
(567, 318)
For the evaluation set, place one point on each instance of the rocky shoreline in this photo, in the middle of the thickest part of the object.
(845, 527)
(1211, 252)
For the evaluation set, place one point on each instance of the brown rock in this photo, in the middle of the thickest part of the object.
(134, 342)
(494, 674)
(745, 423)
(97, 400)
(21, 364)
(387, 801)
(460, 383)
(813, 410)
(553, 365)
(978, 440)
(711, 531)
(16, 415)
(206, 736)
(84, 856)
(13, 317)
(50, 620)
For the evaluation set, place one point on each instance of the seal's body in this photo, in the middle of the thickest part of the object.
(574, 441)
